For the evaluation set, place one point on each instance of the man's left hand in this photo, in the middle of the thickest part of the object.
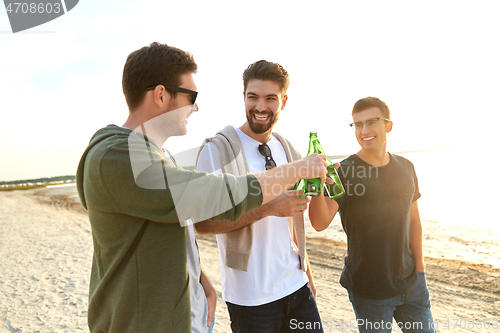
(212, 304)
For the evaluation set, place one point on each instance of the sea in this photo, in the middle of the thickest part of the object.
(459, 204)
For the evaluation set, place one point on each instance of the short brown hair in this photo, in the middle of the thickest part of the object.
(265, 70)
(154, 64)
(368, 102)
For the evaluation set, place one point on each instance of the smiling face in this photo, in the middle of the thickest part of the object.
(263, 103)
(180, 107)
(372, 138)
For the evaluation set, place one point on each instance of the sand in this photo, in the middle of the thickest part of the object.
(45, 258)
(45, 261)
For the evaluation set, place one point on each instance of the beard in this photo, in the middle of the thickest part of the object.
(260, 128)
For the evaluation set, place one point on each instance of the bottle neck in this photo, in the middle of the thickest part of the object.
(311, 148)
(313, 141)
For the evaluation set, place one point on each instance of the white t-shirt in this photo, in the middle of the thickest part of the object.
(273, 267)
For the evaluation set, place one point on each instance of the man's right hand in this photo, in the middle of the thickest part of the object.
(313, 166)
(287, 204)
(275, 181)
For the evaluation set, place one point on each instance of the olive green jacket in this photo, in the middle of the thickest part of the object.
(135, 199)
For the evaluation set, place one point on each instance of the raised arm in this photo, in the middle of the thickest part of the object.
(322, 210)
(287, 204)
(277, 180)
(272, 182)
(221, 227)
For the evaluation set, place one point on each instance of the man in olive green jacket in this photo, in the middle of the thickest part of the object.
(138, 201)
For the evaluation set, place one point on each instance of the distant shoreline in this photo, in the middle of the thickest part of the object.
(21, 187)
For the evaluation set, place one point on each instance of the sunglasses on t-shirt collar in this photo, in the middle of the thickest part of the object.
(265, 151)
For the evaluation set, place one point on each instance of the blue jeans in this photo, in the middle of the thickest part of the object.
(296, 312)
(411, 309)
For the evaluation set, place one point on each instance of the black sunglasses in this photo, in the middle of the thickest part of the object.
(265, 151)
(193, 93)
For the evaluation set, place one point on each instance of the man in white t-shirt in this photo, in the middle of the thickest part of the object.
(264, 268)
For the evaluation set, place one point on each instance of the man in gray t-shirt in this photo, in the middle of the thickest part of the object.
(202, 294)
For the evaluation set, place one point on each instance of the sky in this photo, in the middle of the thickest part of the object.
(435, 63)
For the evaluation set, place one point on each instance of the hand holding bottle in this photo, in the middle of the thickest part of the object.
(312, 166)
(314, 186)
(290, 203)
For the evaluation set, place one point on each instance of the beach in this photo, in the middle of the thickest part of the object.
(46, 254)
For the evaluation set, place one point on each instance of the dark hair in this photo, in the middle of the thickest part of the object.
(368, 102)
(265, 70)
(154, 64)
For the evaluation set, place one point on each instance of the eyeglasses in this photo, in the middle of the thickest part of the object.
(193, 93)
(265, 151)
(370, 123)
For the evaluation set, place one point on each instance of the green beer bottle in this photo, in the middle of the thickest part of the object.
(312, 187)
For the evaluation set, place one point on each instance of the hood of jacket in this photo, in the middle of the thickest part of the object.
(99, 136)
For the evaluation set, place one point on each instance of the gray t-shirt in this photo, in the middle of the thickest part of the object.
(199, 306)
(375, 215)
(198, 300)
